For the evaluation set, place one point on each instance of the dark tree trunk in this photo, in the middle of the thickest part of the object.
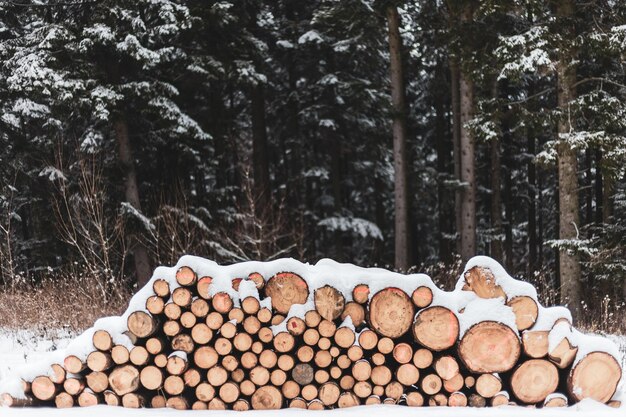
(260, 163)
(599, 188)
(401, 192)
(456, 143)
(532, 208)
(143, 269)
(496, 193)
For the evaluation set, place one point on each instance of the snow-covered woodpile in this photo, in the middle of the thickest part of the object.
(285, 334)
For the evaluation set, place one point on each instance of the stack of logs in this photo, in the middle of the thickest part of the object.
(194, 350)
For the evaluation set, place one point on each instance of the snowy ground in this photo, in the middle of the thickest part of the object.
(16, 348)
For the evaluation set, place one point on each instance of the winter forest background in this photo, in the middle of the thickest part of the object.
(409, 135)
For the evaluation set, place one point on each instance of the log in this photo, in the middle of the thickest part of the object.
(236, 314)
(151, 378)
(362, 370)
(171, 328)
(217, 376)
(305, 354)
(457, 399)
(73, 364)
(88, 398)
(158, 401)
(205, 392)
(286, 289)
(139, 356)
(97, 381)
(381, 375)
(403, 353)
(488, 385)
(182, 342)
(525, 310)
(391, 312)
(160, 360)
(155, 305)
(264, 315)
(321, 376)
(563, 354)
(535, 343)
(378, 359)
(483, 283)
(174, 385)
(133, 400)
(414, 399)
(431, 384)
(172, 311)
(344, 337)
(242, 342)
(251, 325)
(555, 400)
(74, 385)
(476, 400)
(229, 392)
(102, 340)
(188, 320)
(355, 311)
(407, 374)
(265, 335)
(223, 346)
(348, 399)
(385, 345)
(141, 324)
(327, 328)
(447, 367)
(203, 287)
(394, 390)
(185, 276)
(302, 373)
(368, 339)
(161, 288)
(222, 303)
(290, 389)
(422, 358)
(361, 293)
(98, 361)
(200, 308)
(278, 377)
(323, 358)
(309, 392)
(438, 400)
(230, 362)
(177, 363)
(595, 376)
(120, 354)
(362, 389)
(454, 384)
(501, 398)
(258, 280)
(296, 326)
(154, 345)
(259, 375)
(489, 347)
(177, 403)
(436, 328)
(241, 405)
(214, 320)
(534, 380)
(112, 399)
(124, 379)
(343, 361)
(329, 393)
(372, 400)
(422, 297)
(250, 305)
(315, 405)
(329, 302)
(298, 403)
(58, 373)
(267, 397)
(43, 388)
(284, 342)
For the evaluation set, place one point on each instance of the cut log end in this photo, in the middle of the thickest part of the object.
(329, 302)
(436, 328)
(391, 312)
(286, 289)
(595, 376)
(489, 347)
(534, 380)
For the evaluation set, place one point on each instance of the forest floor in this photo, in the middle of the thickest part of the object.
(18, 347)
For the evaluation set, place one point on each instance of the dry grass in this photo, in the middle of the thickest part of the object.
(61, 304)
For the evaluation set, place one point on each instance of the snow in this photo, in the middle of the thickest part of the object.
(492, 309)
(310, 36)
(511, 286)
(547, 316)
(52, 174)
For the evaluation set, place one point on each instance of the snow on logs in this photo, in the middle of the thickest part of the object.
(285, 334)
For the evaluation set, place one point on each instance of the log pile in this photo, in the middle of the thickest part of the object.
(273, 337)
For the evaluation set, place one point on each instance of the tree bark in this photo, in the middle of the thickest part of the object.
(456, 143)
(569, 218)
(532, 208)
(402, 225)
(131, 192)
(259, 150)
(468, 174)
(496, 193)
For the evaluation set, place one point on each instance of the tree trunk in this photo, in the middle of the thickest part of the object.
(468, 174)
(259, 150)
(131, 191)
(402, 225)
(456, 142)
(569, 218)
(443, 157)
(496, 193)
(532, 209)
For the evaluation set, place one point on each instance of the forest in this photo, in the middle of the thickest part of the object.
(411, 135)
